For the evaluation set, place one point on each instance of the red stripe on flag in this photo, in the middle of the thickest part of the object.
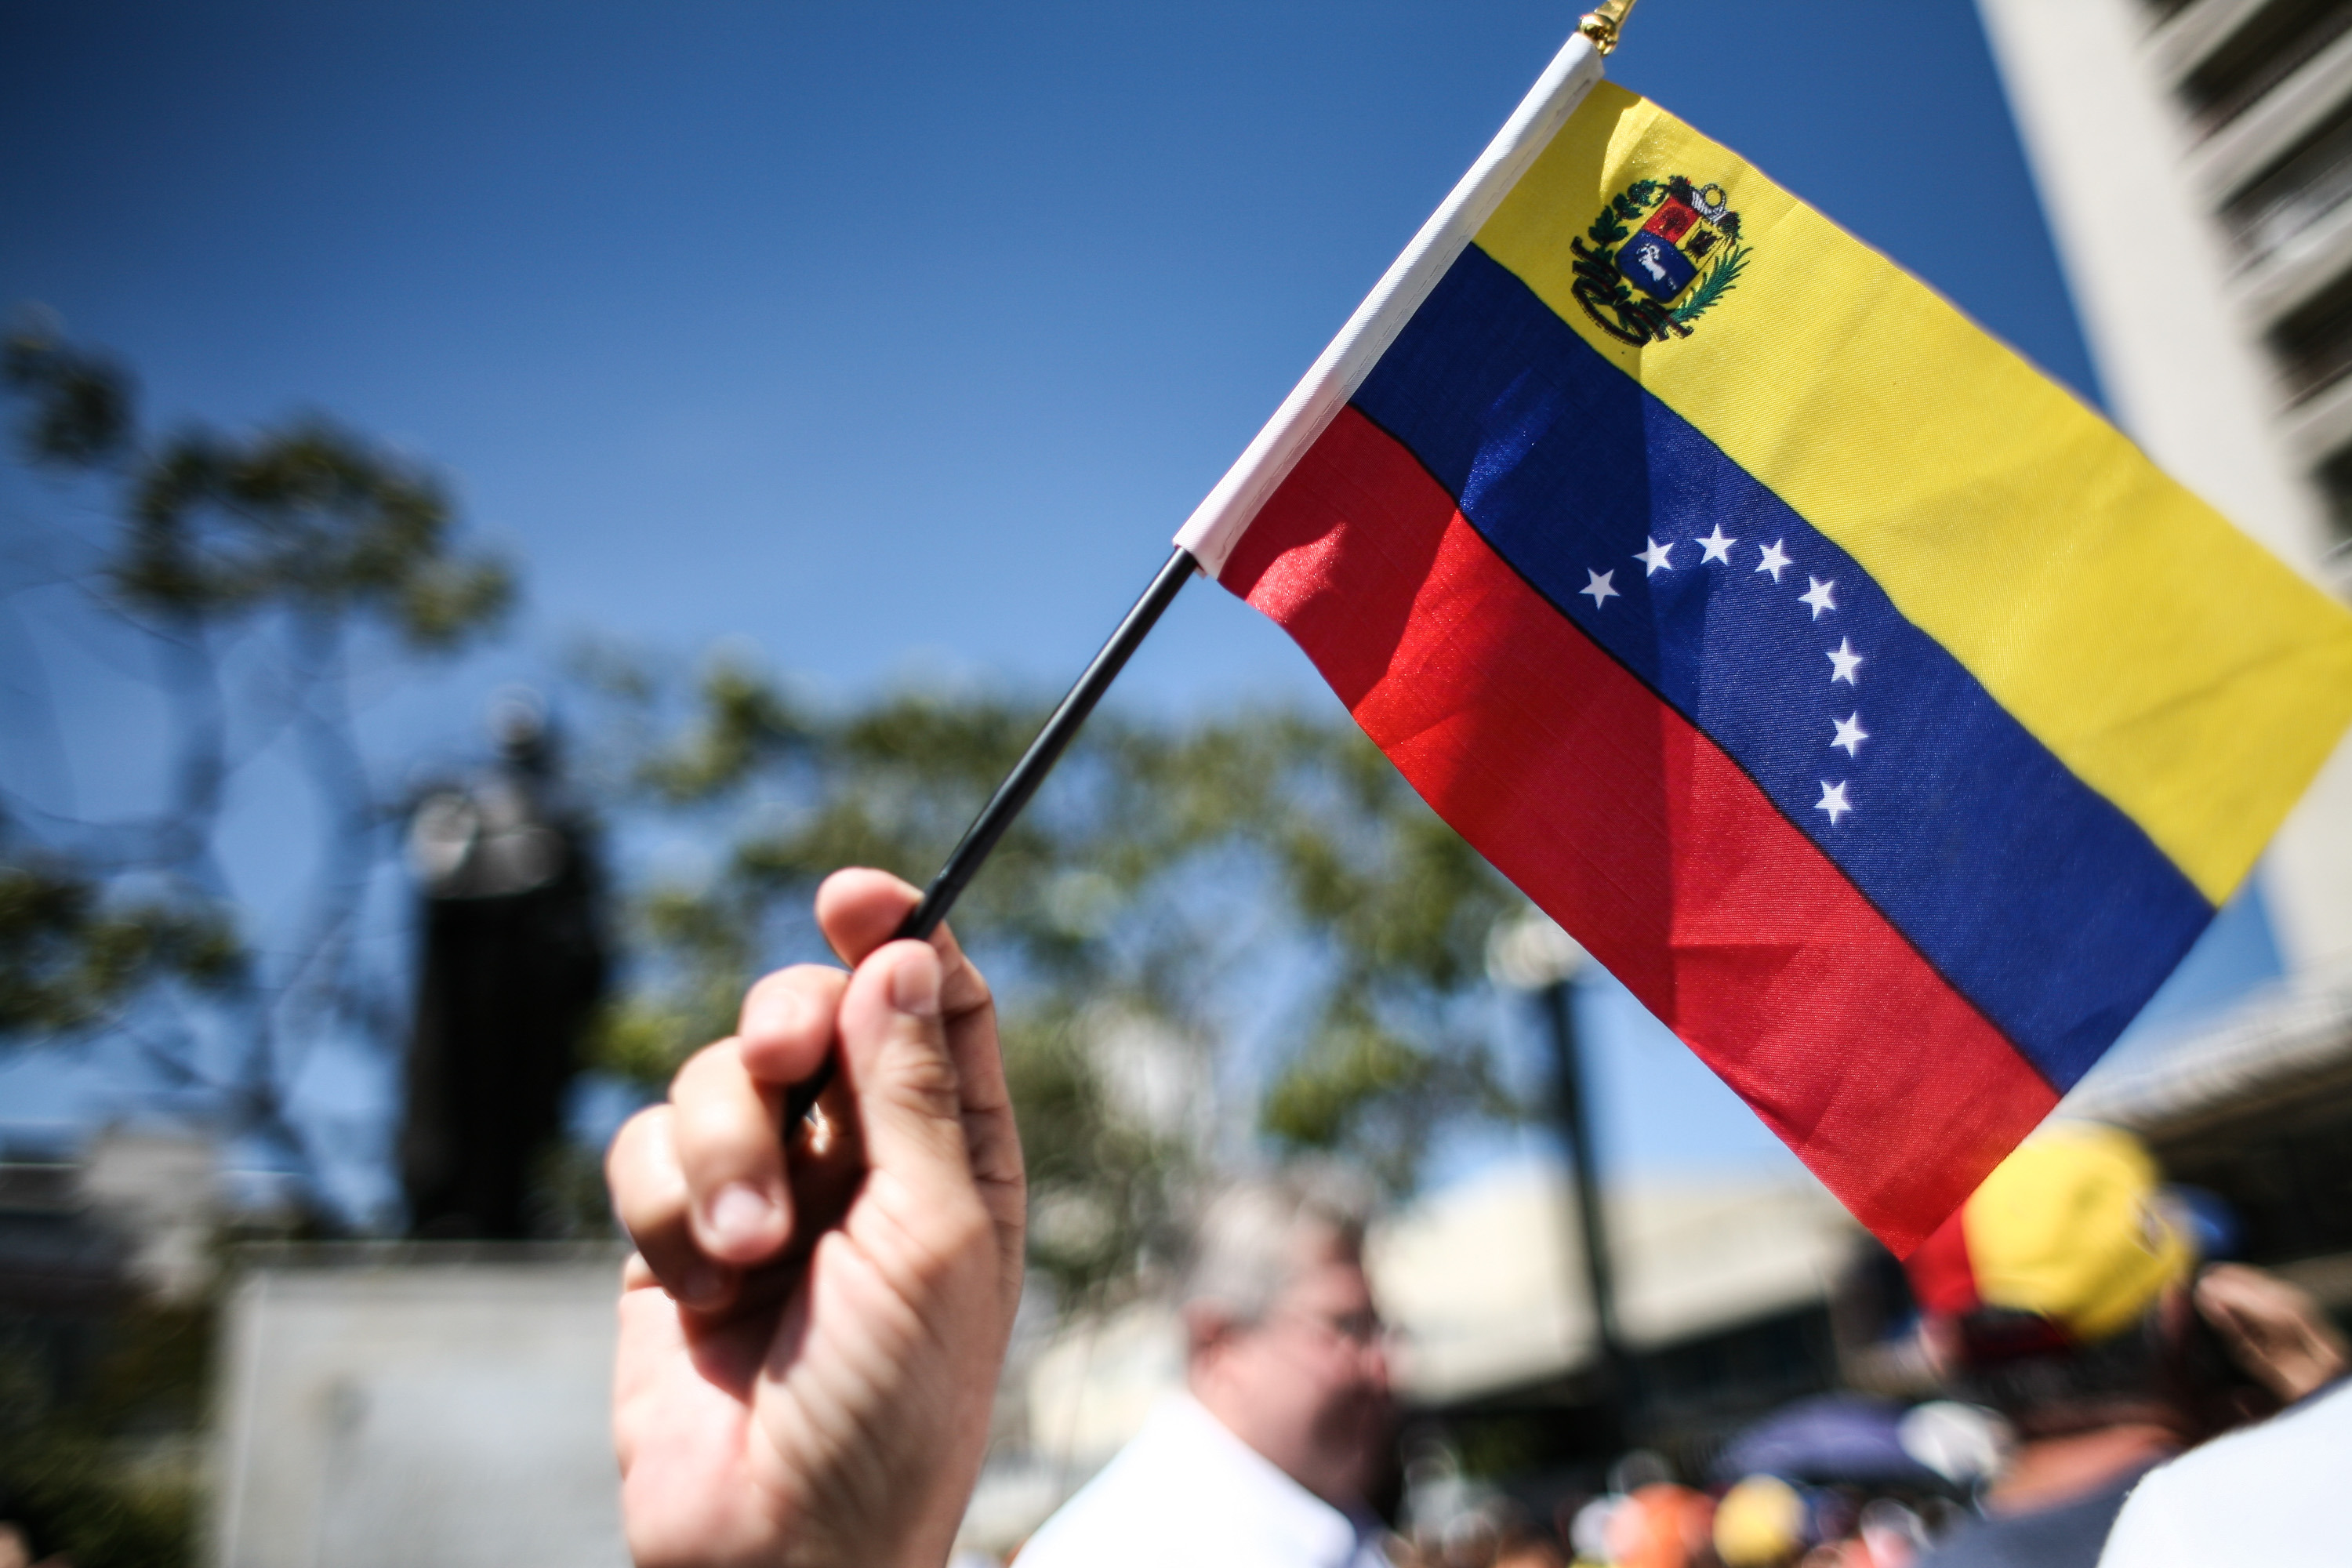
(1943, 1276)
(1639, 833)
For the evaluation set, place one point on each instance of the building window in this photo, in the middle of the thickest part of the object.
(2257, 55)
(2315, 344)
(2312, 181)
(2334, 477)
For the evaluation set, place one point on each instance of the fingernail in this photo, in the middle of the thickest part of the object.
(700, 1284)
(915, 986)
(741, 1213)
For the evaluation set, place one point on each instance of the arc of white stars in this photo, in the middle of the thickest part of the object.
(1844, 662)
(1851, 734)
(1601, 586)
(1818, 595)
(1714, 547)
(1657, 558)
(1833, 801)
(1774, 560)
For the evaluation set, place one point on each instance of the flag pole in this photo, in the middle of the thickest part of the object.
(1061, 728)
(1206, 538)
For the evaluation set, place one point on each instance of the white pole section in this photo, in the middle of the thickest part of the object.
(1211, 532)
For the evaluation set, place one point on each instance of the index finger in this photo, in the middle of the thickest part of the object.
(787, 1023)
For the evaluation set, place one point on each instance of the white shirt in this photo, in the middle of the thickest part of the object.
(2271, 1494)
(1187, 1492)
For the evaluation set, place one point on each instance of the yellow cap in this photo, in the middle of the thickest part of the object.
(1759, 1523)
(2069, 1226)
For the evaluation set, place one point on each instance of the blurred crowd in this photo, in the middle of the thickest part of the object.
(1851, 1508)
(2109, 1393)
(2114, 1396)
(1834, 1482)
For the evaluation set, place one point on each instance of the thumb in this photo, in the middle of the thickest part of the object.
(894, 1054)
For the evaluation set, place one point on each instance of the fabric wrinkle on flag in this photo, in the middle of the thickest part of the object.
(1874, 711)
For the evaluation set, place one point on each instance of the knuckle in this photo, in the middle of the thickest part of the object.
(715, 1114)
(648, 1200)
(639, 1144)
(647, 1213)
(704, 1067)
(781, 986)
(626, 1137)
(920, 1075)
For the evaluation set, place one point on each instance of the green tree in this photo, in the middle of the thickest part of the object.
(248, 568)
(1178, 892)
(249, 572)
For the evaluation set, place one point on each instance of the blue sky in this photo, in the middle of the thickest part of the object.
(890, 339)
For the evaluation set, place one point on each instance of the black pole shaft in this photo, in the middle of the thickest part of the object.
(980, 838)
(1599, 1274)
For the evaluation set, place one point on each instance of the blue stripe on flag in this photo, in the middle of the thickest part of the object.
(2033, 895)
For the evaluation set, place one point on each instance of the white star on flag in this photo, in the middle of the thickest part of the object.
(1775, 559)
(1714, 547)
(1659, 557)
(1851, 734)
(1600, 586)
(1844, 662)
(1832, 801)
(1818, 597)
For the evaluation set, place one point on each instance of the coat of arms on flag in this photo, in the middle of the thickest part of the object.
(1681, 260)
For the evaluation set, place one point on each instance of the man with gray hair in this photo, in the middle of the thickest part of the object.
(1269, 1458)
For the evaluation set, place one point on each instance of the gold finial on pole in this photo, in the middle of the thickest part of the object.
(1604, 23)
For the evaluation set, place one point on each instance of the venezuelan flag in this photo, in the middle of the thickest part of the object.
(1871, 708)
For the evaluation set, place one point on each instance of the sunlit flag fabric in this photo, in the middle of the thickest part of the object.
(1866, 703)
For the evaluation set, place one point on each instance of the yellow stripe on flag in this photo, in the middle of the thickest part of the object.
(2169, 662)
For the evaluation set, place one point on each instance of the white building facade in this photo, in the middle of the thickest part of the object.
(2194, 158)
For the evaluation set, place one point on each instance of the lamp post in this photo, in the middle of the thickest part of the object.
(1530, 955)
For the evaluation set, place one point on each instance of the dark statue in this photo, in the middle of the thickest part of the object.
(512, 964)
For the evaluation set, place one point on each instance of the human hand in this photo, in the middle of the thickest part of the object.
(809, 1346)
(2272, 1329)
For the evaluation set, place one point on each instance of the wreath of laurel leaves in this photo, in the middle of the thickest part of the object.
(1713, 284)
(1621, 211)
